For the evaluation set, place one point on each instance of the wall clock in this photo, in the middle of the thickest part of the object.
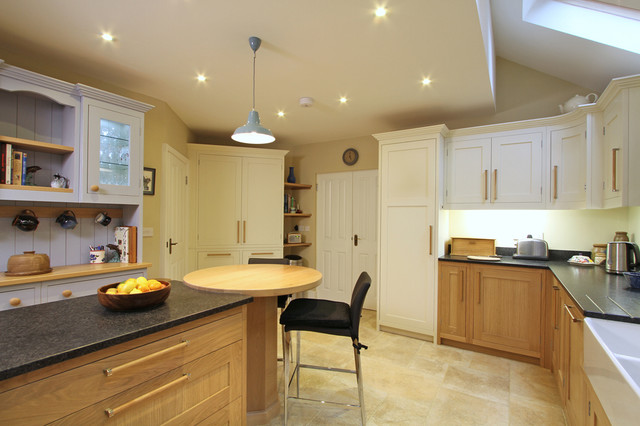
(350, 156)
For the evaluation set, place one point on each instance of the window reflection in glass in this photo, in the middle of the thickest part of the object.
(115, 140)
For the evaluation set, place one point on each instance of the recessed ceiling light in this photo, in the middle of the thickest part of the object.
(201, 78)
(107, 37)
(426, 81)
(343, 99)
(381, 11)
(280, 113)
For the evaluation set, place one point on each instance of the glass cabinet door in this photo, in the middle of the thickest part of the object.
(114, 156)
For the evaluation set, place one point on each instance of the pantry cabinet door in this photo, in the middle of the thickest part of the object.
(568, 172)
(219, 215)
(516, 175)
(468, 167)
(262, 200)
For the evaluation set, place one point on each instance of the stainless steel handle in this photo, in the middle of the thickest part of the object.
(614, 169)
(574, 319)
(555, 182)
(110, 412)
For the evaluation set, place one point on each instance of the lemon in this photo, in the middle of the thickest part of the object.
(129, 285)
(135, 291)
(141, 280)
(112, 290)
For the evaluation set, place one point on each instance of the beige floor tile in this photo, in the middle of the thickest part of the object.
(524, 412)
(456, 408)
(477, 383)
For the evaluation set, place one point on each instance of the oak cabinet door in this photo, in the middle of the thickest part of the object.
(452, 300)
(507, 310)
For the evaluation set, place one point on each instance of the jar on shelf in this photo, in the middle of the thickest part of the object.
(621, 236)
(599, 253)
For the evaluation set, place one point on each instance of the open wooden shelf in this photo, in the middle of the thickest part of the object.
(288, 185)
(297, 215)
(31, 145)
(35, 188)
(296, 244)
(80, 212)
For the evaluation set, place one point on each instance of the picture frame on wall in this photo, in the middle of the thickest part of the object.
(149, 181)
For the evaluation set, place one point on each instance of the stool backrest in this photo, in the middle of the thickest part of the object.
(357, 301)
(268, 260)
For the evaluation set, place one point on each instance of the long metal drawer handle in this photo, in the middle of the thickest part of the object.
(614, 169)
(266, 253)
(218, 254)
(494, 189)
(486, 180)
(110, 412)
(111, 371)
(574, 319)
(555, 182)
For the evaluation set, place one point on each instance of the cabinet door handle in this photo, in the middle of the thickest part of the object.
(574, 319)
(614, 169)
(244, 231)
(111, 371)
(462, 286)
(494, 186)
(486, 183)
(479, 288)
(430, 239)
(218, 254)
(555, 182)
(238, 233)
(110, 412)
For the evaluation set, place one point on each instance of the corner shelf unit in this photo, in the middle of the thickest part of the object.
(292, 187)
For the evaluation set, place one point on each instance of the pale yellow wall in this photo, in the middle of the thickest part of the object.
(310, 160)
(162, 125)
(562, 229)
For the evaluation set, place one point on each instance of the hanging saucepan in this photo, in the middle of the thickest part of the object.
(26, 221)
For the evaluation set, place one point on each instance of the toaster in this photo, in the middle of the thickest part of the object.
(532, 248)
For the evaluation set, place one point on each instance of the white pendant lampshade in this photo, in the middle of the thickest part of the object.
(253, 132)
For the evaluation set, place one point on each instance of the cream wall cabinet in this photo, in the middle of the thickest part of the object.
(502, 170)
(568, 166)
(236, 204)
(408, 247)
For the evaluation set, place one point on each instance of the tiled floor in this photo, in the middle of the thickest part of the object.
(412, 382)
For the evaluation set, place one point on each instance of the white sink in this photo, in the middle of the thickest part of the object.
(612, 363)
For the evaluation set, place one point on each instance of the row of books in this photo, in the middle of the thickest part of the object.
(13, 165)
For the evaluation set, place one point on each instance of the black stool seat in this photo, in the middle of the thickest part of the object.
(322, 316)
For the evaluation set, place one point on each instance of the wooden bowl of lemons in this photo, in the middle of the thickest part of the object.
(134, 293)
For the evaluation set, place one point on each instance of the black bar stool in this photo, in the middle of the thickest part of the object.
(329, 317)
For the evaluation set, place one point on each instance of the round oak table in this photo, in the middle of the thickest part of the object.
(265, 282)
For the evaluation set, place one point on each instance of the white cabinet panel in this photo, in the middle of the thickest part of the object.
(210, 259)
(17, 296)
(516, 162)
(264, 253)
(568, 171)
(262, 201)
(70, 288)
(468, 171)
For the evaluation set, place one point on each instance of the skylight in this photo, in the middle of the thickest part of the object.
(615, 23)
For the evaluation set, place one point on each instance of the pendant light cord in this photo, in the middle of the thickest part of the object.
(254, 80)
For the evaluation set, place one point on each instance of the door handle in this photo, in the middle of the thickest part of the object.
(555, 182)
(170, 244)
(614, 170)
(355, 240)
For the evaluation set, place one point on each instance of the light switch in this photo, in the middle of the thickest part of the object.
(147, 232)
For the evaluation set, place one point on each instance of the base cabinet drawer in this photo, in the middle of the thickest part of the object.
(66, 289)
(185, 395)
(18, 296)
(188, 375)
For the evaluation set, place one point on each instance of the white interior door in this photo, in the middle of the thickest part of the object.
(175, 169)
(346, 206)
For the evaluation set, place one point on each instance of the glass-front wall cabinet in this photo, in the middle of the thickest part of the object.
(113, 153)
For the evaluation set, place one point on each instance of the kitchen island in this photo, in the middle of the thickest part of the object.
(75, 361)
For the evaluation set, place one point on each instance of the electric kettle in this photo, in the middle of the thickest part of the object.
(620, 255)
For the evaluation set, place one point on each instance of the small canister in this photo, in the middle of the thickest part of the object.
(599, 253)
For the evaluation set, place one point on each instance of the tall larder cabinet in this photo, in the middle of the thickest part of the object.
(409, 207)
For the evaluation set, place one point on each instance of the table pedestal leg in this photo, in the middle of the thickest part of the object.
(263, 403)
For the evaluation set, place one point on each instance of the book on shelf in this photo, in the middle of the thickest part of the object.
(24, 169)
(6, 163)
(3, 163)
(16, 168)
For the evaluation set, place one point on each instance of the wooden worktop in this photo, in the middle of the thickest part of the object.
(72, 271)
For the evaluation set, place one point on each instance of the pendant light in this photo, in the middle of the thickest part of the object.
(253, 132)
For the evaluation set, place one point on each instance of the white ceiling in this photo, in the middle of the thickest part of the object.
(309, 48)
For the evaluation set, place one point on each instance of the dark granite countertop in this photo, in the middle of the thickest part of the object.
(597, 293)
(37, 336)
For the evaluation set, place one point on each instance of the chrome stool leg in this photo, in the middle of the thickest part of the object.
(286, 360)
(356, 353)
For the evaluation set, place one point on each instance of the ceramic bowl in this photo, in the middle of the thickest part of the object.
(130, 302)
(633, 278)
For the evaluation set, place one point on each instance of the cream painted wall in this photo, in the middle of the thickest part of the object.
(161, 125)
(562, 229)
